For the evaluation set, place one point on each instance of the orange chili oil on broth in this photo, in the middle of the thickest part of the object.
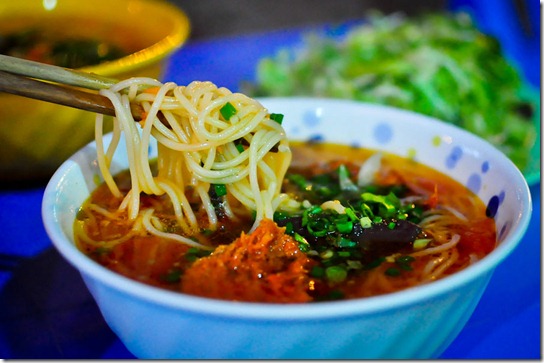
(270, 265)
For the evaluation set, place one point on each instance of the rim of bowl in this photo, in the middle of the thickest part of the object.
(178, 35)
(282, 312)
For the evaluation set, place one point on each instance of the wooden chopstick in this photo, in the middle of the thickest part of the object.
(33, 80)
(26, 78)
(62, 95)
(48, 72)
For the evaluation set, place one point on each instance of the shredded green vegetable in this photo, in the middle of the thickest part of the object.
(438, 64)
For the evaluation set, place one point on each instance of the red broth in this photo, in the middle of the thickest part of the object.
(269, 265)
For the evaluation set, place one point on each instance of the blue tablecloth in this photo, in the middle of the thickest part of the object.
(47, 312)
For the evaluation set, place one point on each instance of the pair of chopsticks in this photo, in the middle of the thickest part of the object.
(58, 85)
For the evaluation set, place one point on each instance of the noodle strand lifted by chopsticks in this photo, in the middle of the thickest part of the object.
(197, 148)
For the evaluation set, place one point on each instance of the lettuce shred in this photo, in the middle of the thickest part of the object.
(436, 64)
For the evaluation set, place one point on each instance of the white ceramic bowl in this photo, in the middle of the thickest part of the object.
(416, 323)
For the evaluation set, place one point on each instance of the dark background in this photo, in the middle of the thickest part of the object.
(214, 18)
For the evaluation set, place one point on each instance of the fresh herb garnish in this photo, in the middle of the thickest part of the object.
(227, 111)
(220, 190)
(278, 117)
(335, 233)
(194, 254)
(172, 276)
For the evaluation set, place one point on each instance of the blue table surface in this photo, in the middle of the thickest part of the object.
(47, 312)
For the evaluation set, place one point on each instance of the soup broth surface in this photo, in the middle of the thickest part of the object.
(282, 264)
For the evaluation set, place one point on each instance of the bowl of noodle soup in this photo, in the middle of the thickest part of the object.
(414, 322)
(114, 39)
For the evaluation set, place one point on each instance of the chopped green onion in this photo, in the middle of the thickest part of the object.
(194, 253)
(392, 271)
(335, 295)
(289, 228)
(336, 274)
(206, 231)
(316, 209)
(278, 216)
(404, 262)
(367, 211)
(421, 243)
(317, 271)
(240, 148)
(391, 225)
(172, 276)
(326, 254)
(390, 203)
(308, 214)
(404, 259)
(344, 227)
(375, 263)
(344, 242)
(354, 265)
(344, 178)
(351, 214)
(220, 189)
(318, 228)
(227, 111)
(101, 251)
(365, 222)
(299, 181)
(303, 245)
(278, 117)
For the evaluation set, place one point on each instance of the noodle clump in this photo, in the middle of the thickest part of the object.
(231, 210)
(207, 136)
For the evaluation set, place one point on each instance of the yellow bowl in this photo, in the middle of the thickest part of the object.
(36, 136)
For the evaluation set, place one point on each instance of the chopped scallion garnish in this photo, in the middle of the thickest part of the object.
(365, 222)
(326, 254)
(278, 117)
(336, 274)
(344, 178)
(172, 276)
(351, 214)
(220, 189)
(303, 245)
(421, 243)
(405, 262)
(392, 271)
(344, 227)
(194, 253)
(289, 228)
(227, 111)
(317, 271)
(345, 242)
(240, 148)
